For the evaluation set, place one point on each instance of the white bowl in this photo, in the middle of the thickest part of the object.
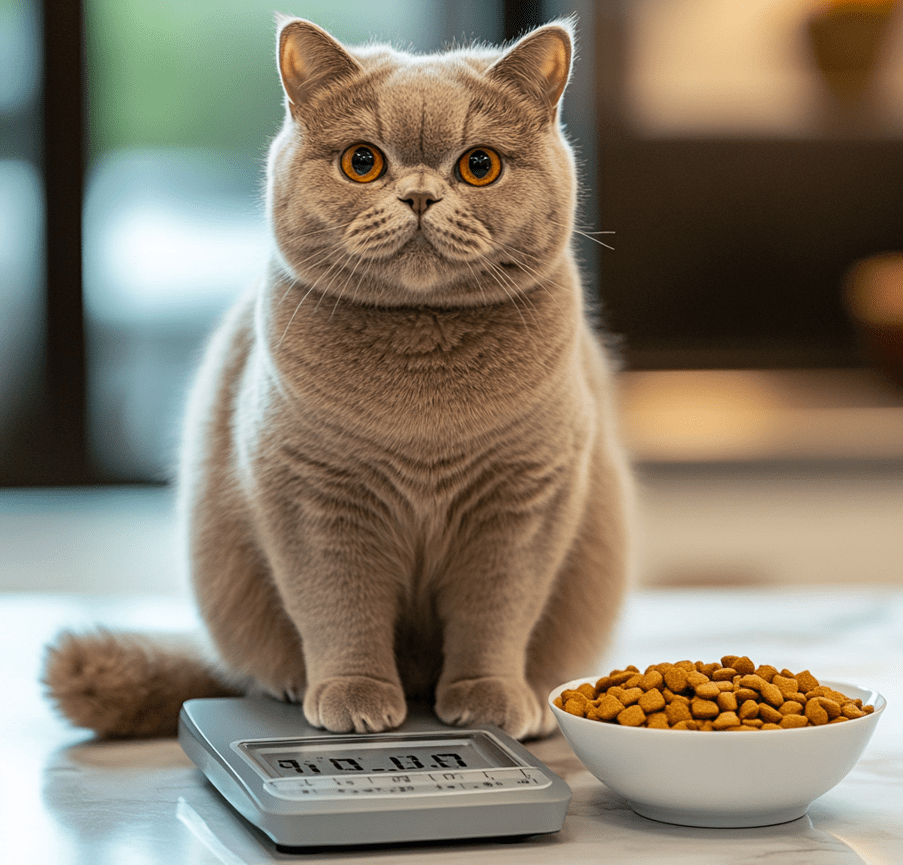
(720, 779)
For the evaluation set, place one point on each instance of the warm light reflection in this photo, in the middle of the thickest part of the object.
(722, 68)
(712, 415)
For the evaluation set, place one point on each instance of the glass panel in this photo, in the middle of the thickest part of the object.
(182, 101)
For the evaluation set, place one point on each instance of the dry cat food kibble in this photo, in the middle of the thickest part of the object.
(731, 695)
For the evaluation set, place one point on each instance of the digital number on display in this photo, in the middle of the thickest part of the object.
(401, 763)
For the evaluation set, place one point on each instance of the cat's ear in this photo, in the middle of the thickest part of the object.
(539, 63)
(308, 58)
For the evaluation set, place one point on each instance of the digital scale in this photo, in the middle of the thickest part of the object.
(425, 781)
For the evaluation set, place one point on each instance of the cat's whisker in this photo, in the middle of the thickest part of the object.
(541, 280)
(593, 239)
(297, 280)
(335, 270)
(582, 233)
(510, 290)
(345, 284)
(282, 338)
(314, 285)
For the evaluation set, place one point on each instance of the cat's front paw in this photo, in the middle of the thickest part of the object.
(507, 703)
(355, 703)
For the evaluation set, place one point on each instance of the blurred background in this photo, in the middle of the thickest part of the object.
(747, 156)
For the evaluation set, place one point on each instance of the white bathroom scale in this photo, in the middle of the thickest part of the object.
(425, 781)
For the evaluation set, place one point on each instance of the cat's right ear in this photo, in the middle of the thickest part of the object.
(308, 58)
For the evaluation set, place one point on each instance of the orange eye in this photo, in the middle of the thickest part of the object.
(479, 166)
(363, 163)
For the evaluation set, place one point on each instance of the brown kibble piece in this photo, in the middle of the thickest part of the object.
(677, 712)
(753, 722)
(766, 672)
(616, 678)
(727, 702)
(769, 726)
(868, 709)
(851, 710)
(630, 696)
(703, 708)
(772, 695)
(632, 716)
(728, 660)
(791, 707)
(749, 709)
(806, 681)
(577, 707)
(744, 694)
(816, 714)
(609, 707)
(633, 681)
(769, 713)
(789, 721)
(752, 681)
(723, 674)
(708, 690)
(689, 666)
(743, 665)
(695, 679)
(832, 707)
(676, 679)
(836, 696)
(725, 720)
(787, 687)
(651, 701)
(658, 721)
(838, 719)
(652, 679)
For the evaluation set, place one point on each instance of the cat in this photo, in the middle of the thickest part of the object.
(401, 476)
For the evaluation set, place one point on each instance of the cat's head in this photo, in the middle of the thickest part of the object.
(438, 179)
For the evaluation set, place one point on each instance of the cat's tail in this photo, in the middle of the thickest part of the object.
(126, 685)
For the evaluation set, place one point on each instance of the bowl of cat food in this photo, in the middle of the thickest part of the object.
(725, 745)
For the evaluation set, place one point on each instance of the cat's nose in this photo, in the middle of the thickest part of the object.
(419, 201)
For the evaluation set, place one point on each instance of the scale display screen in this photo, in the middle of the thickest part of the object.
(365, 756)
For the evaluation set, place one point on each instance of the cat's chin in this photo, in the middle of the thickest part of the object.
(419, 267)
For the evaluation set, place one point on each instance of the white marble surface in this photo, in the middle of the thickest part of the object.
(68, 799)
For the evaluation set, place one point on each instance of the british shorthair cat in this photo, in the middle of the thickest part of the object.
(401, 476)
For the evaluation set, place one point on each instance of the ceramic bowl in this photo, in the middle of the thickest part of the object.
(720, 779)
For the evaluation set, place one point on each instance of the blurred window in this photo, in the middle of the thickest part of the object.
(21, 218)
(183, 99)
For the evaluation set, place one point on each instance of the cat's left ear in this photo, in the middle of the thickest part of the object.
(539, 63)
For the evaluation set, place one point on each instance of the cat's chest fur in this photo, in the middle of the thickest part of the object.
(426, 374)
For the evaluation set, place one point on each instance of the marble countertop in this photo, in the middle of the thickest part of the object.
(69, 799)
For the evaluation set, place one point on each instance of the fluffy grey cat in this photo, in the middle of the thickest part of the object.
(401, 475)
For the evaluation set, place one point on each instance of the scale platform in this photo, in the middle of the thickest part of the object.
(425, 781)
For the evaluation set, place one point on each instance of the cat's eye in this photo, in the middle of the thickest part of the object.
(480, 166)
(363, 163)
